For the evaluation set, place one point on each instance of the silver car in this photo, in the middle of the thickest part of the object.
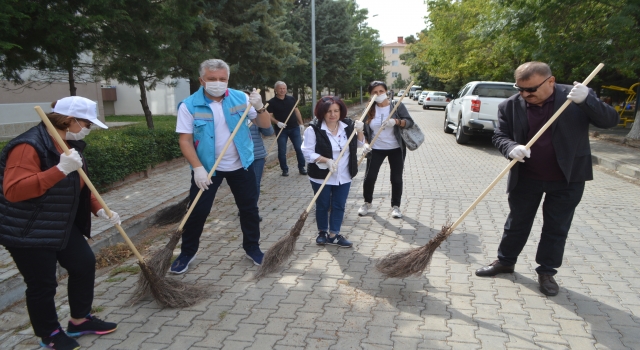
(435, 99)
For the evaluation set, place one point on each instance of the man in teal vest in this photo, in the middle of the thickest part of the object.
(206, 120)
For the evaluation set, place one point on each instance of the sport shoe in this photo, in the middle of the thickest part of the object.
(364, 209)
(92, 325)
(396, 213)
(322, 238)
(339, 240)
(59, 340)
(256, 256)
(181, 264)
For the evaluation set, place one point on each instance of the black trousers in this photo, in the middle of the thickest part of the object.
(245, 191)
(38, 268)
(374, 162)
(560, 201)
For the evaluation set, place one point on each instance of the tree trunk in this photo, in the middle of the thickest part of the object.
(72, 80)
(143, 101)
(295, 92)
(194, 85)
(303, 100)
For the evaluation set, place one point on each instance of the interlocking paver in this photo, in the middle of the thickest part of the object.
(325, 297)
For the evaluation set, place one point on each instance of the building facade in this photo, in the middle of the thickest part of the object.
(394, 65)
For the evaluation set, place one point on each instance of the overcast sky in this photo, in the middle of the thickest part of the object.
(395, 17)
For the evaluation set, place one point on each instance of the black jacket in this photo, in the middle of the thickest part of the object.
(570, 132)
(323, 148)
(45, 221)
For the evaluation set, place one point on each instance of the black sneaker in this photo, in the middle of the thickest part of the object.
(181, 264)
(92, 325)
(322, 238)
(285, 173)
(59, 341)
(303, 171)
(339, 240)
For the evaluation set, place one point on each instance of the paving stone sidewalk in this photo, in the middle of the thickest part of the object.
(333, 298)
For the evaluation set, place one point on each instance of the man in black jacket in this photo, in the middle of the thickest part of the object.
(557, 165)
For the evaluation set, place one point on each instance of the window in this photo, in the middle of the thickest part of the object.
(394, 74)
(395, 63)
(395, 51)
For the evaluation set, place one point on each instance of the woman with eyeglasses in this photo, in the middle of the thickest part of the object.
(45, 215)
(389, 144)
(324, 139)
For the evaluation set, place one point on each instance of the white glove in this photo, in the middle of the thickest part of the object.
(366, 149)
(282, 125)
(114, 219)
(519, 152)
(70, 163)
(255, 99)
(201, 178)
(579, 93)
(301, 129)
(329, 164)
(389, 123)
(359, 126)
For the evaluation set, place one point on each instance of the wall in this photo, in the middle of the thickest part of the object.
(401, 68)
(163, 100)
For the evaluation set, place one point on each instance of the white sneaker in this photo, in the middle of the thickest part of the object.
(364, 209)
(396, 213)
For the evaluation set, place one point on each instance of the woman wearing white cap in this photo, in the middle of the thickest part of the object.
(45, 210)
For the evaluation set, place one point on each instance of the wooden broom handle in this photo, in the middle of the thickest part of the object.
(373, 99)
(389, 116)
(215, 165)
(528, 145)
(285, 121)
(54, 132)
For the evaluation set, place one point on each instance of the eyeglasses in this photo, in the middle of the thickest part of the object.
(531, 89)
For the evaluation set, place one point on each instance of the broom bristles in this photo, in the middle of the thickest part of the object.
(414, 261)
(171, 293)
(159, 264)
(282, 250)
(173, 213)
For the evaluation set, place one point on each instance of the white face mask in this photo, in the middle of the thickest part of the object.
(76, 136)
(381, 98)
(215, 88)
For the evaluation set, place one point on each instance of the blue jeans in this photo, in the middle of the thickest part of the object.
(560, 201)
(296, 140)
(243, 186)
(258, 168)
(334, 198)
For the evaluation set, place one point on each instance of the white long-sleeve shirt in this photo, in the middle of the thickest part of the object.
(342, 175)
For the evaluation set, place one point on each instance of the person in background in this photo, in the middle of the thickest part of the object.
(324, 139)
(280, 106)
(205, 122)
(389, 145)
(45, 215)
(259, 151)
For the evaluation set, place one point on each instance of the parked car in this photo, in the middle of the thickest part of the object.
(416, 95)
(400, 93)
(474, 110)
(413, 89)
(422, 96)
(435, 99)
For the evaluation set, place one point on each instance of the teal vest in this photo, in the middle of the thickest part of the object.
(204, 137)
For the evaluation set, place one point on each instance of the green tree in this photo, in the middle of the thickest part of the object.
(399, 83)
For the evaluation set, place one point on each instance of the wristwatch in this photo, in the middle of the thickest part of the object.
(261, 110)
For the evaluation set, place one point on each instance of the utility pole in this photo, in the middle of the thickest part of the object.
(313, 53)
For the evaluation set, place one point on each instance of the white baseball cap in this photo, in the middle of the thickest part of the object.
(79, 107)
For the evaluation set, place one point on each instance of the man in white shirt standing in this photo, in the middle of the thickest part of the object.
(206, 120)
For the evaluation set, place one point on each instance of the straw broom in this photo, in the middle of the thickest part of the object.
(170, 293)
(285, 121)
(161, 260)
(364, 155)
(416, 260)
(283, 248)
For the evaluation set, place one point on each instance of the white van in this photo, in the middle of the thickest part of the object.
(414, 89)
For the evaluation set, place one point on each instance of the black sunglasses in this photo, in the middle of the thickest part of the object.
(376, 83)
(328, 99)
(531, 89)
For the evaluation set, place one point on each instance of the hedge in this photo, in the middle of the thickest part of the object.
(307, 110)
(115, 153)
